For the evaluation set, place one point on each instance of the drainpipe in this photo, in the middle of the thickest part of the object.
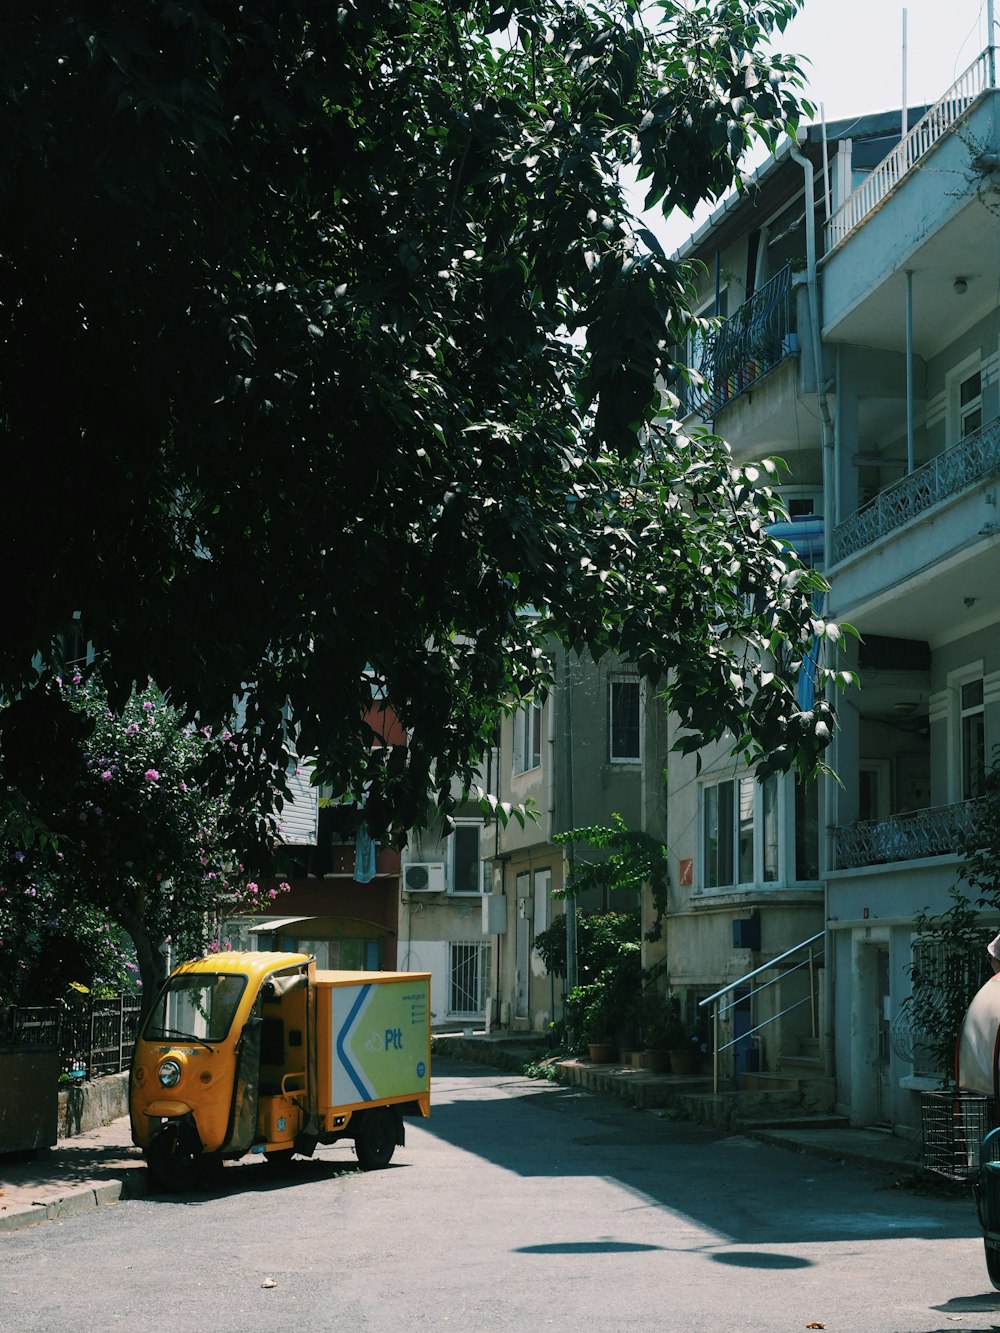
(569, 859)
(829, 518)
(910, 452)
(826, 421)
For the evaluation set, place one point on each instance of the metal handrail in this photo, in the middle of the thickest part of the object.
(928, 130)
(764, 967)
(810, 999)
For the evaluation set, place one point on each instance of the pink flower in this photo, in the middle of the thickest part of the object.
(147, 707)
(106, 775)
(151, 775)
(132, 729)
(77, 678)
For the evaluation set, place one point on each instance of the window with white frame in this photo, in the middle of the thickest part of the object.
(469, 972)
(972, 738)
(528, 736)
(964, 397)
(542, 885)
(466, 858)
(970, 404)
(740, 832)
(625, 721)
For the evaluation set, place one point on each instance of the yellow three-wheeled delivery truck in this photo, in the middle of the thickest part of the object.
(262, 1053)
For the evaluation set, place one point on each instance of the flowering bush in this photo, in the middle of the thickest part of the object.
(144, 836)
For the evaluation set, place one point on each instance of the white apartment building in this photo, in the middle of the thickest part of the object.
(858, 279)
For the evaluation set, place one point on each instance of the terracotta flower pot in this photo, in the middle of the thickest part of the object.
(601, 1052)
(682, 1062)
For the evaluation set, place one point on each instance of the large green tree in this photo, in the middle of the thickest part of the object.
(333, 361)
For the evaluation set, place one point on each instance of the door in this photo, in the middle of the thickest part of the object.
(522, 946)
(880, 1021)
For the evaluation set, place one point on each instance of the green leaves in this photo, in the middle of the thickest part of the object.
(349, 320)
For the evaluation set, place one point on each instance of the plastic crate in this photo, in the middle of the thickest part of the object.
(954, 1124)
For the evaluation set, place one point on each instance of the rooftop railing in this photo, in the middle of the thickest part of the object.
(931, 127)
(976, 456)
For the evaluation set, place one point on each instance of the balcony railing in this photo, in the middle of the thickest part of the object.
(750, 343)
(745, 347)
(921, 139)
(910, 837)
(944, 475)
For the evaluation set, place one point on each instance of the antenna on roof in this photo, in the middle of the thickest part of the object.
(906, 117)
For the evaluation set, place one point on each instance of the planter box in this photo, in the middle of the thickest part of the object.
(29, 1078)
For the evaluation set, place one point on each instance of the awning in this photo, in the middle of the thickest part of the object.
(320, 927)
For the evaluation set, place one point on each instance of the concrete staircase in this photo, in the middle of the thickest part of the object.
(796, 1094)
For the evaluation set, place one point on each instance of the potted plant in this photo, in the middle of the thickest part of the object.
(657, 1031)
(590, 1018)
(677, 1038)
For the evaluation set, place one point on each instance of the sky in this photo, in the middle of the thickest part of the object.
(854, 60)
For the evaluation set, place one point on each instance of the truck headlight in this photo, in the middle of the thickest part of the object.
(170, 1073)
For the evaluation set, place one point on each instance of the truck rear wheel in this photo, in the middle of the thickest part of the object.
(376, 1138)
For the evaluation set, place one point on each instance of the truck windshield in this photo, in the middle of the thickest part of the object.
(199, 1005)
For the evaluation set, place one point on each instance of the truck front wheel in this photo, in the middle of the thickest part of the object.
(174, 1157)
(376, 1138)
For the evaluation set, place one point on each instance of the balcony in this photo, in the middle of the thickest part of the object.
(746, 347)
(947, 112)
(909, 837)
(945, 475)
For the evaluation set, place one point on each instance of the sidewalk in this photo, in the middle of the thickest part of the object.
(101, 1166)
(97, 1167)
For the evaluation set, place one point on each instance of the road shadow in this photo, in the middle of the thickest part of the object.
(756, 1194)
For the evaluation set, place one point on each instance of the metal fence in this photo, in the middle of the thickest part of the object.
(910, 837)
(98, 1037)
(29, 1028)
(945, 475)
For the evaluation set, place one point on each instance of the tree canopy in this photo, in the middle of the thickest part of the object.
(334, 364)
(136, 840)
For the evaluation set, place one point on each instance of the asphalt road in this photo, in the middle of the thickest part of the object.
(519, 1205)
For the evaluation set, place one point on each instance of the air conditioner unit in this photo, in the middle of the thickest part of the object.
(424, 877)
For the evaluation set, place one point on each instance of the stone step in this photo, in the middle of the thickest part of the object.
(807, 1065)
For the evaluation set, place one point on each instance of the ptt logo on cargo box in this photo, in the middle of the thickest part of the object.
(391, 1041)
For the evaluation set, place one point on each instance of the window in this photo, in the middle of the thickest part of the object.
(626, 715)
(741, 832)
(745, 798)
(769, 830)
(469, 970)
(466, 859)
(718, 849)
(528, 736)
(973, 739)
(806, 830)
(970, 404)
(543, 893)
(964, 397)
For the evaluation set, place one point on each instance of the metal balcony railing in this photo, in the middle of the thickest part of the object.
(944, 475)
(749, 344)
(805, 956)
(910, 837)
(742, 349)
(931, 127)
